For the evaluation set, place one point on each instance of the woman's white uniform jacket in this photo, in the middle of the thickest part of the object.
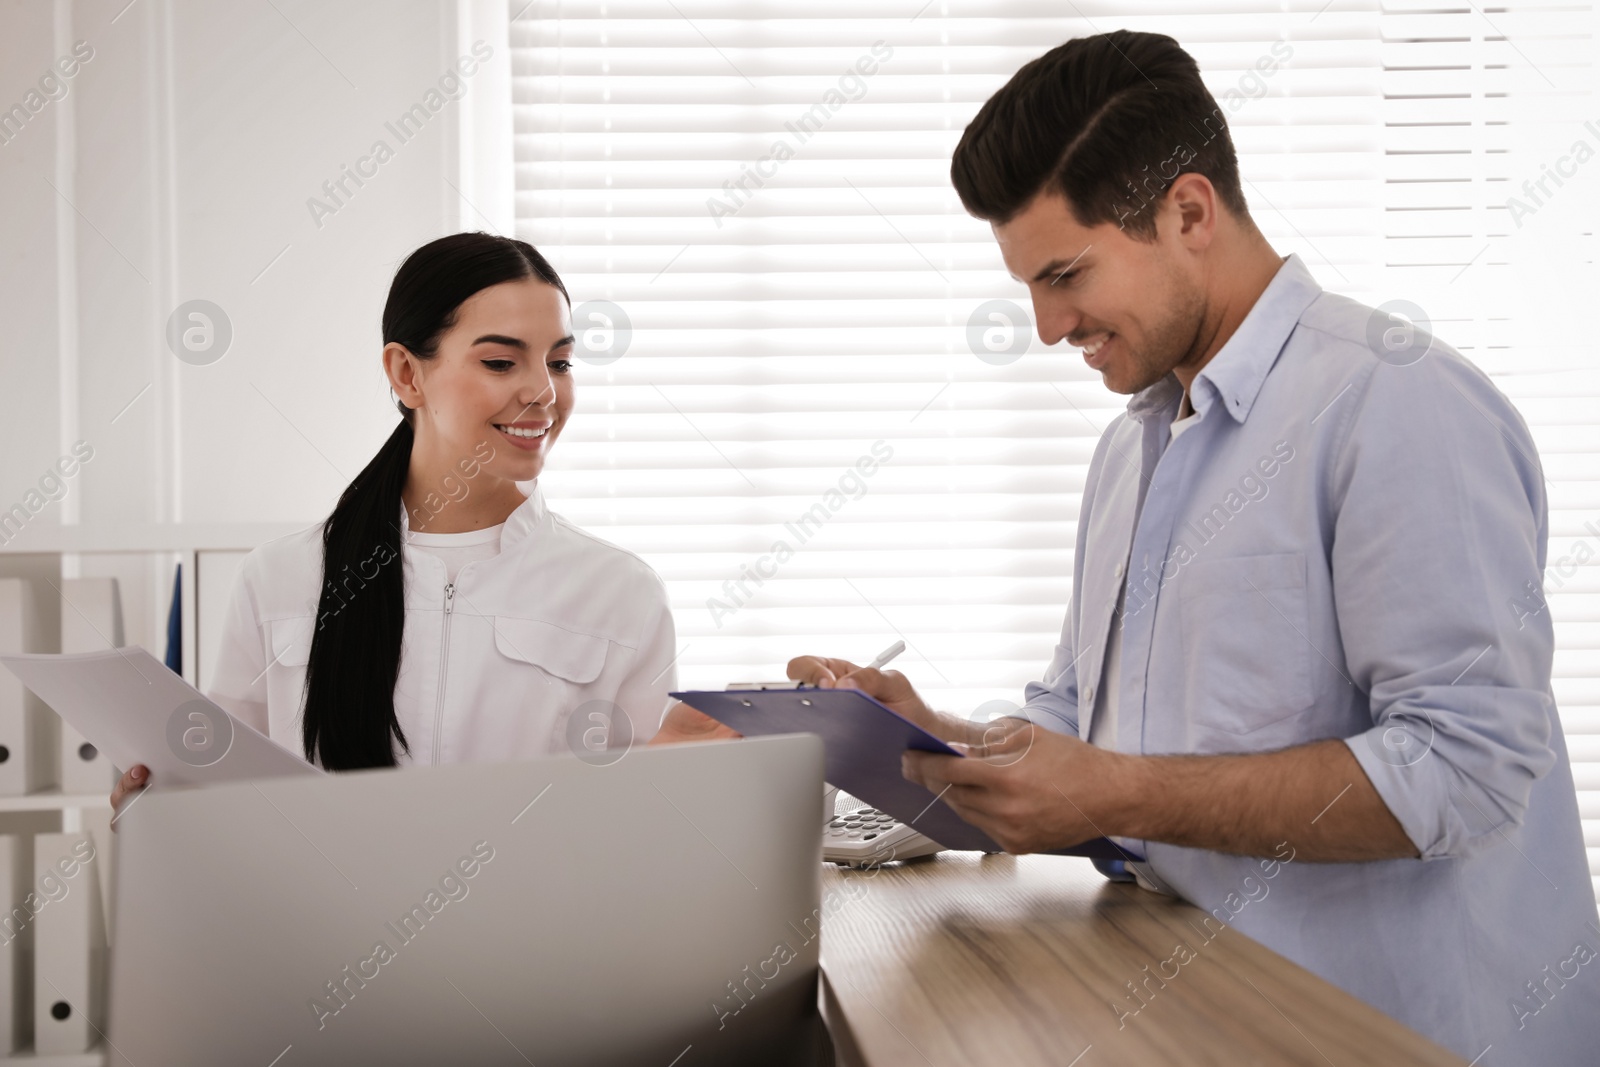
(524, 655)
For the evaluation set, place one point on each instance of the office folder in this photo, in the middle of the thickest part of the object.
(174, 656)
(69, 945)
(137, 711)
(28, 729)
(91, 620)
(863, 742)
(16, 944)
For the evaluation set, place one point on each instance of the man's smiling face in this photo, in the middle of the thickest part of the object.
(1130, 305)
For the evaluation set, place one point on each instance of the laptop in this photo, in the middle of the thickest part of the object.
(663, 909)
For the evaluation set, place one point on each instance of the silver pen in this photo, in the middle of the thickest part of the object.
(886, 655)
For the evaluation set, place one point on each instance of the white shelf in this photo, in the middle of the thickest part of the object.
(55, 800)
(95, 1057)
(147, 537)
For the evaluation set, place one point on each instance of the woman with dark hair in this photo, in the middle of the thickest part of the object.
(440, 614)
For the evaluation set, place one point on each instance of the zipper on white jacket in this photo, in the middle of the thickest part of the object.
(444, 663)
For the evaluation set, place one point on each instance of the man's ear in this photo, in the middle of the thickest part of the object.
(1192, 205)
(405, 374)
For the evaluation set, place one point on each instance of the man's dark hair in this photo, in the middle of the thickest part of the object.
(1109, 122)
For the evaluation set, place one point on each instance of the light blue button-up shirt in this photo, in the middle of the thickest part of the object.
(1348, 545)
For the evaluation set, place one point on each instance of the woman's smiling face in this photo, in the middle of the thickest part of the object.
(502, 375)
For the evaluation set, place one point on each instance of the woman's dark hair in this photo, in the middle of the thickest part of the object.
(355, 650)
(1109, 122)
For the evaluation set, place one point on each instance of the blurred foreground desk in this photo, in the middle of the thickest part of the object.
(967, 959)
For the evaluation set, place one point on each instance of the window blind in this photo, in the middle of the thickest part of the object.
(809, 393)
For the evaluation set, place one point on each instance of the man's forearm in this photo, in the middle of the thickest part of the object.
(1314, 796)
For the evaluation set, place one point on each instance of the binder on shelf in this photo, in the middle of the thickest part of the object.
(174, 657)
(91, 621)
(16, 944)
(69, 961)
(29, 731)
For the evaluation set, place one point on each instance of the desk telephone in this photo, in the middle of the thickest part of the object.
(857, 835)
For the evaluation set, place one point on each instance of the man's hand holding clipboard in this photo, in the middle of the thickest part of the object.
(1017, 782)
(952, 780)
(890, 688)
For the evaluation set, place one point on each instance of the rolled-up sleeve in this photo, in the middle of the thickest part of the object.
(1053, 702)
(1439, 529)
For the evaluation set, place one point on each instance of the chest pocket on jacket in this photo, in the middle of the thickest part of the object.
(570, 656)
(1246, 644)
(289, 640)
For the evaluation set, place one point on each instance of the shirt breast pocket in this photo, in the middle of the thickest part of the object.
(554, 664)
(556, 653)
(288, 651)
(1246, 651)
(556, 669)
(290, 640)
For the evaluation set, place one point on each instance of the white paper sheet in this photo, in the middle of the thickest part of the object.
(135, 710)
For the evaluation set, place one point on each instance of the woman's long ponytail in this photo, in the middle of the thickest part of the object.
(349, 720)
(355, 650)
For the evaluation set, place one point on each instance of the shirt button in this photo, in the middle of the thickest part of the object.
(1116, 572)
(1088, 695)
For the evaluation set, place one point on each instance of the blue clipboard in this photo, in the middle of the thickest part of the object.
(863, 741)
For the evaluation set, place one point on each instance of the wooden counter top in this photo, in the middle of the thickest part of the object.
(969, 959)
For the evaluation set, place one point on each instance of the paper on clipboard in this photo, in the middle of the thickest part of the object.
(863, 741)
(134, 709)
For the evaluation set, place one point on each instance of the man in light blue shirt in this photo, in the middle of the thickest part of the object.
(1306, 667)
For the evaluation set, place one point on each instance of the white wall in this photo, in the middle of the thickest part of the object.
(188, 147)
